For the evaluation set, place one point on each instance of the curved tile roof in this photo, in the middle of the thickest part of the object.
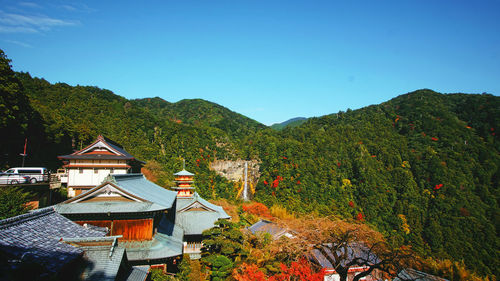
(202, 217)
(37, 235)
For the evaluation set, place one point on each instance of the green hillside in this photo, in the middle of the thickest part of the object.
(422, 168)
(294, 122)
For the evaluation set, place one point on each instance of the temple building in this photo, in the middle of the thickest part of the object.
(157, 225)
(88, 167)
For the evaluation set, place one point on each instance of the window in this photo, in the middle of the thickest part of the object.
(80, 170)
(96, 171)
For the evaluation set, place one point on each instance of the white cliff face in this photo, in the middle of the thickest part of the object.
(245, 172)
(235, 170)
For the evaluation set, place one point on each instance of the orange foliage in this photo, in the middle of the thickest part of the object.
(300, 270)
(257, 209)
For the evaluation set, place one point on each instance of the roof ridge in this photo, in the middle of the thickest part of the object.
(9, 222)
(123, 176)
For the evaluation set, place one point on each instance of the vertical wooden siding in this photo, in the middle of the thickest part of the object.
(137, 229)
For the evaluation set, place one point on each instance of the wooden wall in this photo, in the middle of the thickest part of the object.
(135, 230)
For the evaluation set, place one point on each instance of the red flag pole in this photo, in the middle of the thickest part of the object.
(24, 153)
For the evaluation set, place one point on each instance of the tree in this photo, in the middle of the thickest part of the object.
(298, 270)
(344, 245)
(13, 202)
(223, 239)
(222, 246)
(184, 268)
(221, 268)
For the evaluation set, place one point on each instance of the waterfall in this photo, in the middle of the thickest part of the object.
(244, 194)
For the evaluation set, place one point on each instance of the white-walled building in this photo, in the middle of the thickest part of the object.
(88, 167)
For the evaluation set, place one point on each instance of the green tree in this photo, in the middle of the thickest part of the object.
(184, 268)
(13, 202)
(223, 239)
(221, 268)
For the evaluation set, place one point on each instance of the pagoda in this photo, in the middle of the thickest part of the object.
(184, 180)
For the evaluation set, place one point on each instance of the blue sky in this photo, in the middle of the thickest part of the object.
(269, 60)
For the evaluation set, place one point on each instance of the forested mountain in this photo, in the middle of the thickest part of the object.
(422, 168)
(294, 122)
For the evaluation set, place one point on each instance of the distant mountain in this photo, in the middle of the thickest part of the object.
(294, 122)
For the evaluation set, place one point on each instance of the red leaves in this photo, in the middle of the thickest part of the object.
(438, 186)
(359, 217)
(373, 156)
(351, 204)
(284, 157)
(297, 271)
(265, 182)
(300, 270)
(298, 182)
(257, 209)
(434, 139)
(464, 212)
(275, 183)
(249, 272)
(338, 164)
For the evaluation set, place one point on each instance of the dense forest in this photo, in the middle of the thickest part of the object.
(422, 168)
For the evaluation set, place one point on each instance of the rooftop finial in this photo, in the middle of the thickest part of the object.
(184, 164)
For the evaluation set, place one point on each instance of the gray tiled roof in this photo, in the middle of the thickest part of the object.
(37, 236)
(101, 265)
(415, 275)
(139, 273)
(139, 186)
(113, 145)
(195, 222)
(113, 207)
(266, 226)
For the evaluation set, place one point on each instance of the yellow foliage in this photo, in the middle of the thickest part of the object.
(346, 183)
(281, 212)
(404, 224)
(452, 270)
(406, 164)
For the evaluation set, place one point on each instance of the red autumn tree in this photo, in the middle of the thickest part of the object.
(257, 209)
(300, 270)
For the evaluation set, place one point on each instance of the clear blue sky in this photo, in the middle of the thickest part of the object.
(269, 60)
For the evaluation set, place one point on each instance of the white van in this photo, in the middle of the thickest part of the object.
(36, 174)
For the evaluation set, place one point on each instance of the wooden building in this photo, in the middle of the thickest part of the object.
(88, 167)
(135, 208)
(157, 225)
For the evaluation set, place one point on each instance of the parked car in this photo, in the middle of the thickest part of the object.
(11, 178)
(35, 174)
